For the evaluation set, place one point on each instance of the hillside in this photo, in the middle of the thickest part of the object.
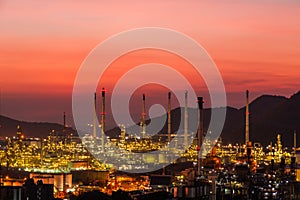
(30, 129)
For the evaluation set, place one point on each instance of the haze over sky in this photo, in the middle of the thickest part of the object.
(255, 44)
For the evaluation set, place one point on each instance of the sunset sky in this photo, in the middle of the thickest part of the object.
(255, 44)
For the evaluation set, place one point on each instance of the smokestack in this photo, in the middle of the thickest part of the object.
(169, 116)
(95, 116)
(103, 111)
(200, 134)
(186, 120)
(247, 118)
(295, 142)
(143, 121)
(103, 118)
(64, 119)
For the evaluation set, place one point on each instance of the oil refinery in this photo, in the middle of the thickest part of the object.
(64, 165)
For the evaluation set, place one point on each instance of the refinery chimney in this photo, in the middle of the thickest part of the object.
(64, 120)
(169, 117)
(186, 120)
(247, 118)
(143, 121)
(103, 111)
(103, 118)
(295, 142)
(200, 135)
(95, 116)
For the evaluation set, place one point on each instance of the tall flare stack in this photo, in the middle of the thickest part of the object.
(186, 120)
(103, 118)
(143, 121)
(95, 116)
(65, 120)
(295, 142)
(103, 111)
(169, 117)
(247, 118)
(200, 135)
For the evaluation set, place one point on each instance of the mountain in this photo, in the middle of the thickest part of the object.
(30, 129)
(269, 116)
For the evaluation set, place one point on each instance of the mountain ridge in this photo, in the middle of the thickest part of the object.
(269, 115)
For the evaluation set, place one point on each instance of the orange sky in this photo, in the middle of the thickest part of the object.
(255, 44)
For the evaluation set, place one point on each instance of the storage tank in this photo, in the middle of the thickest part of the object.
(68, 180)
(190, 192)
(59, 182)
(162, 157)
(150, 158)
